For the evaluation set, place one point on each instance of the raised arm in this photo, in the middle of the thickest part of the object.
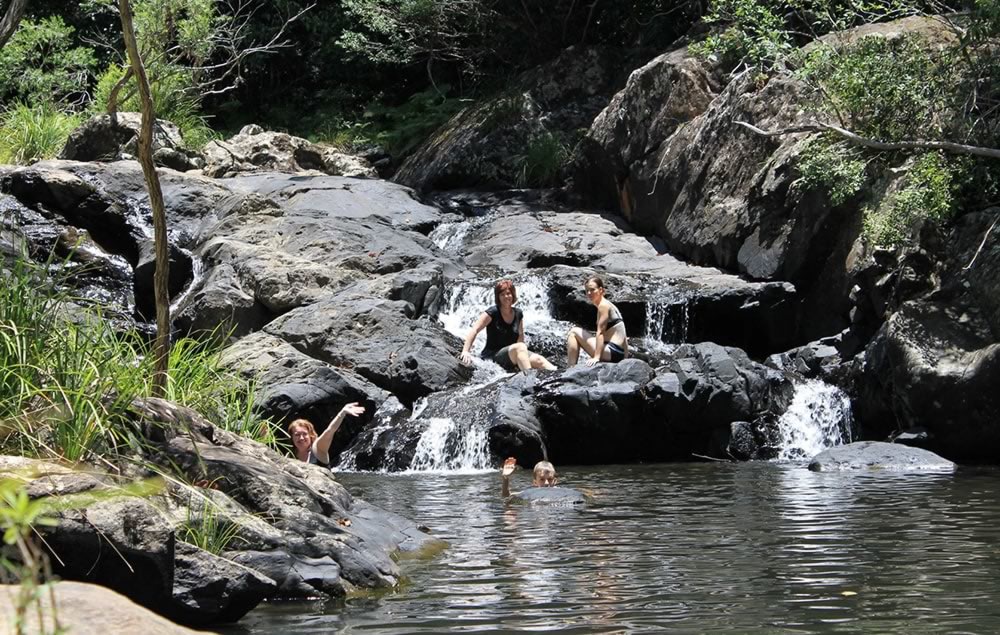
(505, 472)
(321, 446)
(481, 323)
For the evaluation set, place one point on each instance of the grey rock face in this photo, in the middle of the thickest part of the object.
(210, 589)
(874, 455)
(484, 145)
(107, 138)
(95, 610)
(256, 150)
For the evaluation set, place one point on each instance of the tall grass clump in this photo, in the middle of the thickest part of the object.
(67, 378)
(31, 133)
(542, 161)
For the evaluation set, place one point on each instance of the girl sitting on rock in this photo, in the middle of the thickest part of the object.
(315, 449)
(504, 326)
(610, 343)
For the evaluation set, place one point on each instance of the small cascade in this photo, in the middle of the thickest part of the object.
(818, 418)
(666, 325)
(197, 273)
(450, 237)
(448, 447)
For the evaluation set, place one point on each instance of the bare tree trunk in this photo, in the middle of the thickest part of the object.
(161, 348)
(11, 19)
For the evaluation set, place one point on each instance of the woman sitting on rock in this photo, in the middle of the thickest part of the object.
(504, 326)
(610, 343)
(315, 449)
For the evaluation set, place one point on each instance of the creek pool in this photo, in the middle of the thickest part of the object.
(687, 548)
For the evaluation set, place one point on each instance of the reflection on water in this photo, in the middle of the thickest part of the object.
(736, 548)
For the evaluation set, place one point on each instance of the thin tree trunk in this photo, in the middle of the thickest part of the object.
(116, 90)
(161, 348)
(11, 19)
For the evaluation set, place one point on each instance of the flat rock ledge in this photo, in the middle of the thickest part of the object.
(86, 609)
(878, 455)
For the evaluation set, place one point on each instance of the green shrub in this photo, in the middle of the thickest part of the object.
(885, 88)
(32, 133)
(40, 64)
(542, 161)
(925, 197)
(207, 527)
(753, 34)
(835, 166)
(172, 100)
(66, 384)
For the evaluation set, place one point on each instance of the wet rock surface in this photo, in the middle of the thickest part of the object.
(876, 456)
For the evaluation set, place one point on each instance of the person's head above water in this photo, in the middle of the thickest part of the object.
(544, 474)
(501, 287)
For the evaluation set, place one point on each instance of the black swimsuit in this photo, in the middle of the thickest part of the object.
(614, 319)
(500, 335)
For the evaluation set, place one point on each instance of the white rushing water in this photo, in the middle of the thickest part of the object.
(818, 418)
(467, 300)
(448, 447)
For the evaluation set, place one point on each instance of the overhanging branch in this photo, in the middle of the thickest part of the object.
(856, 139)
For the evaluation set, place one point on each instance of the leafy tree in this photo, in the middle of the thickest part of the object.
(40, 63)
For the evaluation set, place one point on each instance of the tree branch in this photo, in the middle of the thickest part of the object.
(946, 146)
(11, 19)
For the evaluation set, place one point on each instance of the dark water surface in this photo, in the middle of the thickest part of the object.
(686, 548)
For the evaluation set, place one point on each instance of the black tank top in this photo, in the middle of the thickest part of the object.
(500, 333)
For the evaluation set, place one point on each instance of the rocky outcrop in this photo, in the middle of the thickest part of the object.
(113, 137)
(86, 609)
(487, 145)
(257, 150)
(606, 413)
(280, 527)
(876, 456)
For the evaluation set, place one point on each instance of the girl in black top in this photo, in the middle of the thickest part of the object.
(504, 326)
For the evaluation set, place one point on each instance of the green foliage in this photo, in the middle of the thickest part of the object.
(398, 129)
(760, 34)
(885, 88)
(756, 34)
(19, 516)
(40, 64)
(927, 196)
(30, 133)
(542, 161)
(66, 385)
(837, 167)
(207, 528)
(172, 100)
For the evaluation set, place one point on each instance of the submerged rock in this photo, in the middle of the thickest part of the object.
(876, 455)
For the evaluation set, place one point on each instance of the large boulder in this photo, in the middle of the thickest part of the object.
(721, 195)
(376, 339)
(113, 137)
(257, 150)
(877, 456)
(487, 144)
(85, 609)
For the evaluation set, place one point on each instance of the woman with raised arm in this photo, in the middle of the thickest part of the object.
(504, 324)
(609, 343)
(313, 448)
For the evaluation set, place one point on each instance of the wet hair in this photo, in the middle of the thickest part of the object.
(306, 425)
(596, 280)
(502, 286)
(541, 468)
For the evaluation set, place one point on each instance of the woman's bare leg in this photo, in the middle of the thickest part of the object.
(518, 354)
(538, 361)
(576, 340)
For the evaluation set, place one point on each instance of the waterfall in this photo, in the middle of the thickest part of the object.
(450, 237)
(447, 447)
(818, 418)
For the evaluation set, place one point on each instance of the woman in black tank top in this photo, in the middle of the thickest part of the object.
(610, 342)
(504, 326)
